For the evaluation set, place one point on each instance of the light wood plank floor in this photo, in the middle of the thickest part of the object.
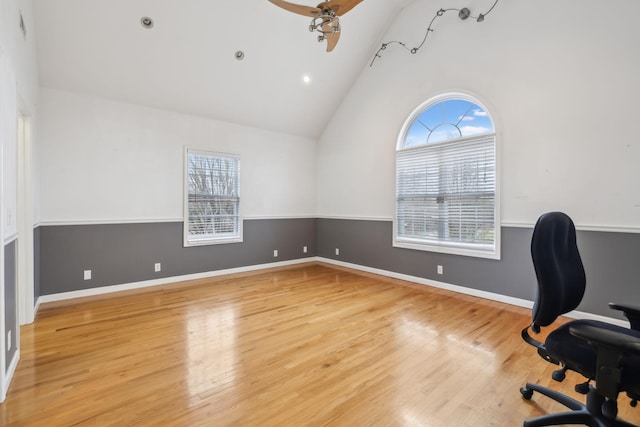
(307, 345)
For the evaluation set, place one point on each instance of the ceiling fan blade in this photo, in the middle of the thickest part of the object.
(297, 8)
(343, 6)
(332, 40)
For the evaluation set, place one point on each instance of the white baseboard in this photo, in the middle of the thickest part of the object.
(36, 308)
(575, 314)
(419, 280)
(9, 375)
(164, 281)
(469, 291)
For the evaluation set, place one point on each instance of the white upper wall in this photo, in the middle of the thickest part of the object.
(19, 58)
(560, 81)
(105, 161)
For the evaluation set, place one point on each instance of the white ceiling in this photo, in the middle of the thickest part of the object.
(186, 62)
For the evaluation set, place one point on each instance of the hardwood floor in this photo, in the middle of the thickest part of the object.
(307, 345)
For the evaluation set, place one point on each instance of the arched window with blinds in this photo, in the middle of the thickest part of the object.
(446, 179)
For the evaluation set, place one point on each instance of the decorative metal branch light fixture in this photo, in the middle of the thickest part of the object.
(463, 14)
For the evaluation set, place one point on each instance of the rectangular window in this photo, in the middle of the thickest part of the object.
(446, 197)
(212, 198)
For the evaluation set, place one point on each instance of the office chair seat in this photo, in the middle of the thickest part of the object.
(580, 356)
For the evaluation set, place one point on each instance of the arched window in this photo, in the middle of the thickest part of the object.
(446, 175)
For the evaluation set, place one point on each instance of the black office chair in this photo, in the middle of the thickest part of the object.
(606, 353)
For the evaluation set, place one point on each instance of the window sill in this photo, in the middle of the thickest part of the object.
(208, 242)
(493, 253)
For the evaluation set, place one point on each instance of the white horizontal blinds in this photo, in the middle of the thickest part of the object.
(446, 193)
(214, 196)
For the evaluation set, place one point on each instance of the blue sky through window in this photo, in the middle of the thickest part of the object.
(448, 120)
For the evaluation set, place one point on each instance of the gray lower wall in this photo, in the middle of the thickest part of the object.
(10, 289)
(611, 261)
(126, 253)
(36, 264)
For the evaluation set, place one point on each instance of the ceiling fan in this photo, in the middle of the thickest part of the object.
(325, 17)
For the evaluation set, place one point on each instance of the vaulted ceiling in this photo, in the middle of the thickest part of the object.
(186, 62)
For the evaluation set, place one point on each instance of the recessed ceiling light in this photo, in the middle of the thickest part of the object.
(146, 22)
(306, 79)
(239, 55)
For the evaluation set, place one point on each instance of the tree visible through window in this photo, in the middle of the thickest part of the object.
(212, 206)
(446, 197)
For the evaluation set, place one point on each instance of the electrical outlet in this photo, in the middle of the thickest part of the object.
(275, 253)
(157, 267)
(440, 270)
(337, 251)
(304, 249)
(87, 275)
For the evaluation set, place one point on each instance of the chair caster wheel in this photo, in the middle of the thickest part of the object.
(610, 409)
(582, 388)
(559, 375)
(526, 392)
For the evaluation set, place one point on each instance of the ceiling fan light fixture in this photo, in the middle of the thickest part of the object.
(324, 17)
(325, 24)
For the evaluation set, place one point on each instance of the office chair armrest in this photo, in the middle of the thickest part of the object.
(611, 346)
(631, 312)
(621, 342)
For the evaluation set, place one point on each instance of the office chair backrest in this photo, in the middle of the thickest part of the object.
(558, 266)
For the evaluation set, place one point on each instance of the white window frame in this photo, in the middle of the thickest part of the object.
(211, 239)
(445, 246)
